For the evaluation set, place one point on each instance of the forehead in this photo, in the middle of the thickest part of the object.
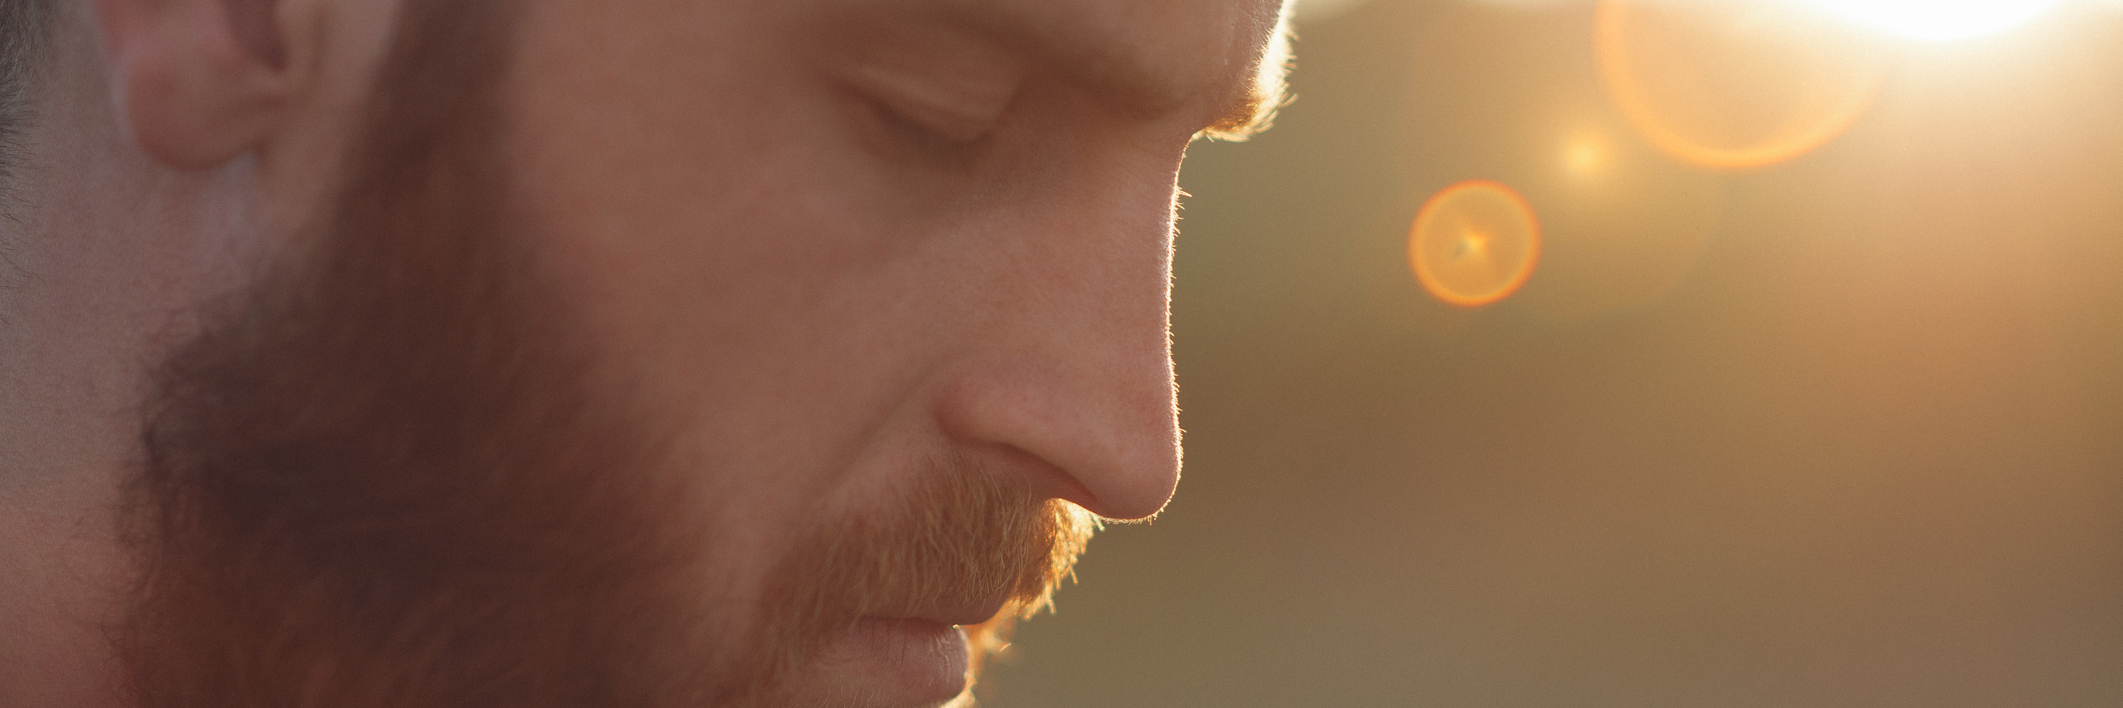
(1165, 52)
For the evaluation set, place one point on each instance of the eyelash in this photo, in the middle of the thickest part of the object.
(902, 141)
(905, 137)
(953, 114)
(944, 124)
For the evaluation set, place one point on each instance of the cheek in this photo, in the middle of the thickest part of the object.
(682, 172)
(704, 209)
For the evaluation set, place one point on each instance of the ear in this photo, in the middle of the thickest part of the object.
(200, 82)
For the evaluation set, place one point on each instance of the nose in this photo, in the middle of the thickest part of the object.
(1095, 431)
(1071, 382)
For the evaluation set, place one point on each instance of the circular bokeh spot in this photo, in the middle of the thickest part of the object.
(1474, 243)
(1734, 85)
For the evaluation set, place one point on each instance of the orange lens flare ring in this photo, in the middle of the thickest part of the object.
(1474, 243)
(1732, 85)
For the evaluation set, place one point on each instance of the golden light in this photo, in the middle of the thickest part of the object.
(1939, 20)
(1733, 85)
(1585, 153)
(1474, 243)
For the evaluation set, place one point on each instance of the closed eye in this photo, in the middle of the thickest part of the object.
(956, 109)
(950, 84)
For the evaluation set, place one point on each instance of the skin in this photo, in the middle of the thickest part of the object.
(844, 238)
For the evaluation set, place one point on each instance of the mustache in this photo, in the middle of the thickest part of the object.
(962, 535)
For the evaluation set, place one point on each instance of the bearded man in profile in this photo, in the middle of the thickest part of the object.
(575, 353)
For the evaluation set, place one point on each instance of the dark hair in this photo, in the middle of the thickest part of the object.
(23, 25)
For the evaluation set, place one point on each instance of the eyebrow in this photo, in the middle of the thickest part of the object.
(1236, 94)
(1268, 91)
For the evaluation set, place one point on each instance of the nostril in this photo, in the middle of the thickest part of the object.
(1044, 478)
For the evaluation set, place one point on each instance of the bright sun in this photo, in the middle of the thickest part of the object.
(1938, 19)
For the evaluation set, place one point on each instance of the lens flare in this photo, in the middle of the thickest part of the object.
(1474, 243)
(1937, 20)
(1733, 85)
(1586, 153)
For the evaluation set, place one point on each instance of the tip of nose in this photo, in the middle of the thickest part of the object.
(1134, 493)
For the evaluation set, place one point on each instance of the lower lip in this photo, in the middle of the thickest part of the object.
(909, 661)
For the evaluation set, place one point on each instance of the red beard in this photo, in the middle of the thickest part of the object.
(395, 473)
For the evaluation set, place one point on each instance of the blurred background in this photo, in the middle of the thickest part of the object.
(1813, 397)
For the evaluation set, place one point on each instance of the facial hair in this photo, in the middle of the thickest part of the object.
(395, 471)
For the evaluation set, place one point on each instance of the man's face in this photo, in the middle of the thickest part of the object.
(692, 353)
(883, 230)
(847, 238)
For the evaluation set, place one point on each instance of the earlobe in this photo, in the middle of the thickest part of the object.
(198, 82)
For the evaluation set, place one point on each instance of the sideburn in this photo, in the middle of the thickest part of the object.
(381, 478)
